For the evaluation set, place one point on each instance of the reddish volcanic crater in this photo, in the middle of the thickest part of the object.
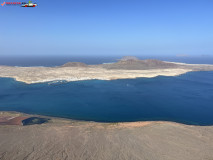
(9, 120)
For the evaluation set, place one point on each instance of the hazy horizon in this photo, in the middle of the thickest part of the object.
(49, 60)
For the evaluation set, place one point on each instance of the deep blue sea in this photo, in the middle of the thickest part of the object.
(187, 99)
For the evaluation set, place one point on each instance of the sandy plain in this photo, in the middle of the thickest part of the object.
(123, 69)
(63, 139)
(45, 74)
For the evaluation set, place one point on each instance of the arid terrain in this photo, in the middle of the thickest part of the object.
(125, 68)
(62, 139)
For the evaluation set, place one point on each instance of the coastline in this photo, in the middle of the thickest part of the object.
(70, 122)
(123, 69)
(32, 75)
(67, 90)
(65, 139)
(62, 120)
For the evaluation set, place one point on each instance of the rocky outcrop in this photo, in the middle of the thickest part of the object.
(131, 63)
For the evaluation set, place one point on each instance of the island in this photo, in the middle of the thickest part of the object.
(125, 68)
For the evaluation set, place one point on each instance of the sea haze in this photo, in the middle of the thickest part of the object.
(187, 99)
(51, 61)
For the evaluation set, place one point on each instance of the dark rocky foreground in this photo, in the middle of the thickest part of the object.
(74, 140)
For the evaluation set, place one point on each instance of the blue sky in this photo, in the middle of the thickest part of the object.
(108, 27)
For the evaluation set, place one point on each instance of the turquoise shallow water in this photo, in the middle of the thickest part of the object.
(187, 99)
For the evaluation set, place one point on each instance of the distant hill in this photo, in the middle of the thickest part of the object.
(125, 58)
(74, 64)
(133, 63)
(128, 63)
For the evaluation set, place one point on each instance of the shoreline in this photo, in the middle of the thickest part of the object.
(56, 80)
(62, 121)
(91, 140)
(123, 69)
(89, 74)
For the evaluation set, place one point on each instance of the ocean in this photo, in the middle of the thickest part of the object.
(186, 99)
